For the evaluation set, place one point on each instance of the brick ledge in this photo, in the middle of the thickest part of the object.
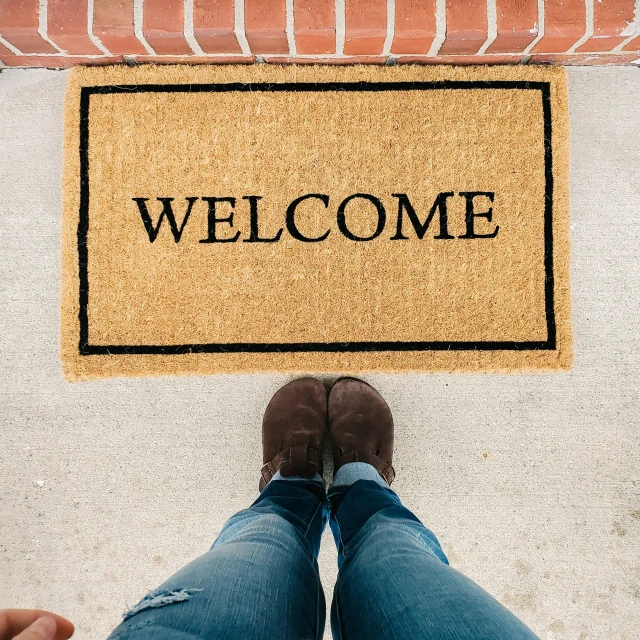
(64, 33)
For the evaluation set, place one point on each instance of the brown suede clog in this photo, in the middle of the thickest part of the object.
(360, 427)
(293, 430)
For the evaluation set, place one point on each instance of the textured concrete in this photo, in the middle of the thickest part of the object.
(531, 482)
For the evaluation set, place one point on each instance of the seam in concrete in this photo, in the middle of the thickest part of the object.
(492, 26)
(441, 28)
(636, 30)
(289, 28)
(138, 11)
(341, 28)
(187, 30)
(391, 27)
(588, 6)
(238, 27)
(540, 35)
(42, 26)
(94, 38)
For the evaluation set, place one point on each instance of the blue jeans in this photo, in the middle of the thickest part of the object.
(260, 580)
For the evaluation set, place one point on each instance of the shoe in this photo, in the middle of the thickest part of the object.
(293, 430)
(360, 427)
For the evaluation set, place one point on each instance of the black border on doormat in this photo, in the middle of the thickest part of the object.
(83, 225)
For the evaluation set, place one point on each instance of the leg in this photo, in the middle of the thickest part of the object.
(394, 582)
(260, 578)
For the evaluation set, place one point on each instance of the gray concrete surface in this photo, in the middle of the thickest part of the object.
(531, 482)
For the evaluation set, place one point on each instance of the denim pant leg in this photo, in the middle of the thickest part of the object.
(258, 581)
(395, 582)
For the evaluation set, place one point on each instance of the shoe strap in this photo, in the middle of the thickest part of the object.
(384, 468)
(298, 455)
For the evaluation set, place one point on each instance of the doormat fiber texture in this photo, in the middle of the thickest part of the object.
(338, 219)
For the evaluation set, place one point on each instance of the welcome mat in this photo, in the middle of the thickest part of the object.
(348, 219)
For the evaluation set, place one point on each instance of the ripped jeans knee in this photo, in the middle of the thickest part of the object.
(159, 598)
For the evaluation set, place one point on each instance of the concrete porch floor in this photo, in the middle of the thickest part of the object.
(531, 482)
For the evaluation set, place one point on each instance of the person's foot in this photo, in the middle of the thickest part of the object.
(293, 430)
(360, 427)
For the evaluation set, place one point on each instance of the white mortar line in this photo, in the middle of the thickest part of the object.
(96, 56)
(93, 56)
(42, 25)
(238, 27)
(11, 48)
(492, 26)
(391, 27)
(540, 35)
(441, 28)
(396, 56)
(187, 30)
(635, 25)
(291, 39)
(137, 26)
(588, 5)
(275, 56)
(94, 38)
(400, 57)
(18, 52)
(182, 56)
(341, 28)
(319, 56)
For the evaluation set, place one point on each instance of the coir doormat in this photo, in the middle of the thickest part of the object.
(315, 219)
